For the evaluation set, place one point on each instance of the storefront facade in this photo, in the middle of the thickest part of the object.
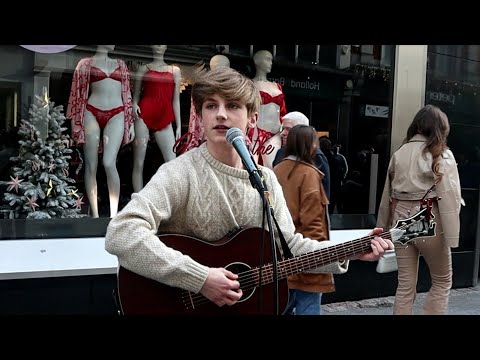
(362, 97)
(446, 76)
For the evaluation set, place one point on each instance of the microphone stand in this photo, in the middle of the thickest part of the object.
(258, 182)
(268, 209)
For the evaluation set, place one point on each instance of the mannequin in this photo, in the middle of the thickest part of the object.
(101, 100)
(219, 60)
(265, 136)
(156, 105)
(195, 129)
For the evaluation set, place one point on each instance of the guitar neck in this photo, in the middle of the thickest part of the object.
(322, 257)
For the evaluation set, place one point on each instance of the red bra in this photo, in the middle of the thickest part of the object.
(278, 99)
(267, 98)
(96, 74)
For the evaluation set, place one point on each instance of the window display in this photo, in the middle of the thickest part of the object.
(128, 110)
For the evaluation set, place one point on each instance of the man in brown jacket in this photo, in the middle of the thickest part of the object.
(307, 202)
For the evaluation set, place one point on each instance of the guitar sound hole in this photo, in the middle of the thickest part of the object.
(246, 277)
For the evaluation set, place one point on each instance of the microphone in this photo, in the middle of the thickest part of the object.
(235, 137)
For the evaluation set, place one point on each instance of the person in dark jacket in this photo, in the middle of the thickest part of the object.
(289, 121)
(338, 172)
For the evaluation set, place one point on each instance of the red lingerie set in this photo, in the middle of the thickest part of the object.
(264, 135)
(84, 74)
(156, 104)
(103, 116)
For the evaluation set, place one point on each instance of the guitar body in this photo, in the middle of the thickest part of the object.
(238, 253)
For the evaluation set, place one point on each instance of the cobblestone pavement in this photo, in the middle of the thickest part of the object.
(464, 301)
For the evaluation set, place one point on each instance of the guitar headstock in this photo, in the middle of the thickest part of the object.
(405, 230)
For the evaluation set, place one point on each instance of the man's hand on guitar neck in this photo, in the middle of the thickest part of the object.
(379, 245)
(221, 287)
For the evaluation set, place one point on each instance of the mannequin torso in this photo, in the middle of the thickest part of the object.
(156, 106)
(272, 100)
(104, 92)
(100, 99)
(266, 136)
(160, 81)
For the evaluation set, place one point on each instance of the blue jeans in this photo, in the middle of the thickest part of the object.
(303, 303)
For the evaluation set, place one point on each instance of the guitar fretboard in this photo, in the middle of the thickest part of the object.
(308, 261)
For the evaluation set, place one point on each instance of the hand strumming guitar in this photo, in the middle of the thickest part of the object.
(221, 287)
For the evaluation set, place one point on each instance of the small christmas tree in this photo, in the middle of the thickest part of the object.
(40, 186)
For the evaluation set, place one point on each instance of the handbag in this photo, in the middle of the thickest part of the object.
(387, 263)
(181, 145)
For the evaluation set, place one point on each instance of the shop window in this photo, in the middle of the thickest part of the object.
(310, 88)
(308, 54)
(9, 105)
(240, 50)
(328, 55)
(285, 53)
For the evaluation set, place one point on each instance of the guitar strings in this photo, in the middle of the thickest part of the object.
(249, 279)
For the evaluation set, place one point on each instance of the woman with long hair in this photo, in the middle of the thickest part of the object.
(422, 161)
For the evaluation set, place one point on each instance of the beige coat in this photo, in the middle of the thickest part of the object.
(410, 176)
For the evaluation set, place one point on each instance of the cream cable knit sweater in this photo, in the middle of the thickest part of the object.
(198, 196)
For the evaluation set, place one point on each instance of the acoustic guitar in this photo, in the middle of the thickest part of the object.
(240, 253)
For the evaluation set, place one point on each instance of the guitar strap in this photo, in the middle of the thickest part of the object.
(287, 254)
(428, 202)
(116, 299)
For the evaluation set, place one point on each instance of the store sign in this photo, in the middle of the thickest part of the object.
(309, 87)
(48, 49)
(376, 111)
(439, 96)
(297, 84)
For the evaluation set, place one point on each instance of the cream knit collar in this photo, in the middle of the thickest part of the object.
(240, 173)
